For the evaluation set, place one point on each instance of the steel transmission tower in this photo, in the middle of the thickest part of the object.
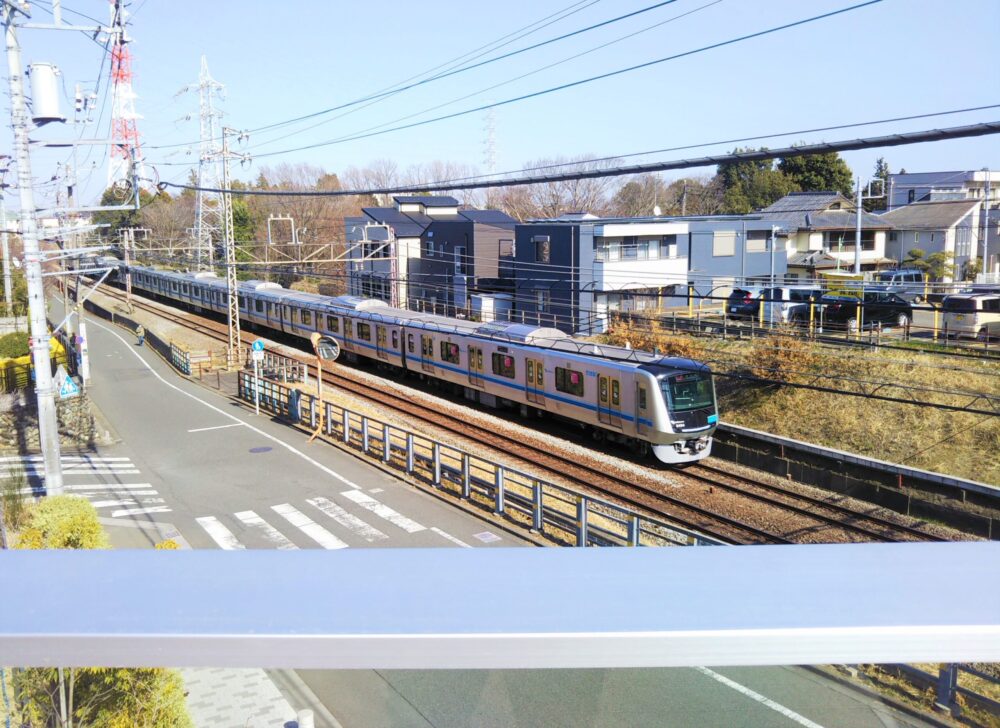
(490, 152)
(209, 207)
(124, 132)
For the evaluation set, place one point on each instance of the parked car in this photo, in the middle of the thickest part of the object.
(744, 302)
(789, 304)
(908, 283)
(976, 316)
(877, 307)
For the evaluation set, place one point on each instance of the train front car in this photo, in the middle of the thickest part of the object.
(689, 413)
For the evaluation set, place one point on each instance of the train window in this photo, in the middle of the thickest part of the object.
(395, 339)
(409, 343)
(569, 381)
(365, 332)
(615, 393)
(427, 347)
(449, 352)
(259, 305)
(305, 317)
(173, 286)
(333, 324)
(503, 365)
(184, 289)
(642, 398)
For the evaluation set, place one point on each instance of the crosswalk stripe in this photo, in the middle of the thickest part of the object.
(140, 511)
(270, 533)
(68, 472)
(347, 520)
(309, 527)
(109, 503)
(64, 458)
(451, 538)
(219, 533)
(97, 494)
(131, 488)
(383, 511)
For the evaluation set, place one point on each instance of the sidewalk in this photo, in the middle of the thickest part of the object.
(227, 698)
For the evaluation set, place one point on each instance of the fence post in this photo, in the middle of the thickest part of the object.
(364, 435)
(536, 512)
(498, 493)
(386, 444)
(466, 476)
(436, 459)
(581, 520)
(328, 418)
(633, 531)
(947, 681)
(346, 419)
(409, 452)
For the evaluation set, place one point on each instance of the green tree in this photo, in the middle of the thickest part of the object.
(936, 265)
(752, 185)
(973, 267)
(639, 195)
(818, 172)
(118, 219)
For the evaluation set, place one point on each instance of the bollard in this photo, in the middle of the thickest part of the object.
(633, 531)
(466, 476)
(581, 521)
(346, 420)
(436, 459)
(409, 452)
(536, 512)
(328, 418)
(498, 494)
(364, 435)
(305, 719)
(386, 443)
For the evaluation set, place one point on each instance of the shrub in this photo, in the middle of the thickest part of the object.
(784, 357)
(13, 345)
(167, 545)
(62, 522)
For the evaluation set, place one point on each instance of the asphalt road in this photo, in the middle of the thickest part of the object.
(196, 467)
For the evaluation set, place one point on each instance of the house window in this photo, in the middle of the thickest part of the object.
(723, 244)
(503, 365)
(507, 249)
(893, 237)
(843, 240)
(916, 237)
(757, 241)
(542, 300)
(543, 251)
(911, 196)
(333, 324)
(305, 317)
(668, 246)
(449, 352)
(365, 332)
(569, 381)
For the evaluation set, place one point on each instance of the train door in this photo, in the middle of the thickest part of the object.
(642, 418)
(609, 400)
(427, 353)
(348, 334)
(535, 381)
(380, 342)
(476, 366)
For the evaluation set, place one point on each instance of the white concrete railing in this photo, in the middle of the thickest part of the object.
(503, 608)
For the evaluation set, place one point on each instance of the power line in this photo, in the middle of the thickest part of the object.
(893, 140)
(581, 82)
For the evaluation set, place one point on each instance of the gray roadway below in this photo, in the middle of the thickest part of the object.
(245, 466)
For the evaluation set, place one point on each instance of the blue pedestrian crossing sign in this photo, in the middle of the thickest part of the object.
(69, 388)
(258, 345)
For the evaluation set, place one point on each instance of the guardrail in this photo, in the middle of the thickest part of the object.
(558, 513)
(948, 688)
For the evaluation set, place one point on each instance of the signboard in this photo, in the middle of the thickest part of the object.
(258, 355)
(258, 345)
(67, 386)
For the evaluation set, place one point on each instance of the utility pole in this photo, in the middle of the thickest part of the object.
(5, 241)
(684, 199)
(228, 240)
(986, 226)
(860, 200)
(48, 427)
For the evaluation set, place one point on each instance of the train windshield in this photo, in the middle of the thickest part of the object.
(688, 391)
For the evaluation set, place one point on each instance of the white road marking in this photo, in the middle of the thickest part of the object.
(272, 438)
(347, 520)
(102, 486)
(487, 537)
(753, 695)
(383, 511)
(110, 503)
(270, 533)
(219, 533)
(309, 527)
(217, 427)
(64, 458)
(111, 492)
(139, 511)
(451, 538)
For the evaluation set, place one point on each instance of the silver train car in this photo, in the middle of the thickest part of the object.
(650, 403)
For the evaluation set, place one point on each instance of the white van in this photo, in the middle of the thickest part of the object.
(974, 316)
(908, 283)
(789, 304)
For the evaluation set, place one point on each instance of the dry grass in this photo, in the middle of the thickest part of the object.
(955, 443)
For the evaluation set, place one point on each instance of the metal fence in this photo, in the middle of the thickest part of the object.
(950, 693)
(558, 513)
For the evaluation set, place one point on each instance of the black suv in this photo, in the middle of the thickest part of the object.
(744, 303)
(888, 309)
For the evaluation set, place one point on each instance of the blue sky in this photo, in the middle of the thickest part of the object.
(281, 60)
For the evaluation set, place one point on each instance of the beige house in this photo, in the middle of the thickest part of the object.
(939, 226)
(821, 230)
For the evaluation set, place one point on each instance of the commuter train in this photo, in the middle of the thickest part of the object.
(639, 399)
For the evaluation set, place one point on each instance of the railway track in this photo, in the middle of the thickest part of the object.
(809, 513)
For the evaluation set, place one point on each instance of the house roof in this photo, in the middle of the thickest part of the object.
(812, 211)
(426, 200)
(488, 217)
(812, 259)
(937, 214)
(402, 224)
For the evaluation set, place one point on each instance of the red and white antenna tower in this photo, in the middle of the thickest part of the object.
(124, 132)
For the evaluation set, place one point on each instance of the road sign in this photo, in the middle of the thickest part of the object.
(258, 345)
(69, 388)
(258, 355)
